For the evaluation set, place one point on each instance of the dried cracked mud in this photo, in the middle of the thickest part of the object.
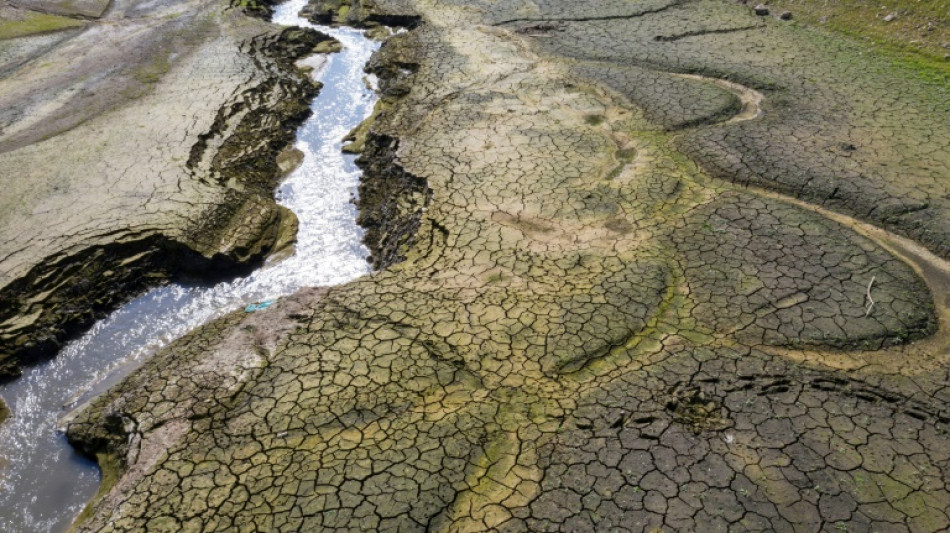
(645, 266)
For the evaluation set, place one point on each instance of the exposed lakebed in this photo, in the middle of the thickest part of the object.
(44, 483)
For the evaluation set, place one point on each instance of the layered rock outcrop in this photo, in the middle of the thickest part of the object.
(140, 148)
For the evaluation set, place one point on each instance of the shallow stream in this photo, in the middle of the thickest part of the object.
(43, 482)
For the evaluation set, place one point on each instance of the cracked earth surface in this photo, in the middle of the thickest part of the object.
(582, 326)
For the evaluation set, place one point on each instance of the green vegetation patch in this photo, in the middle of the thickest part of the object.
(916, 30)
(152, 71)
(30, 23)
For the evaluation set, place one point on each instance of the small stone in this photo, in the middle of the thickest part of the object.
(890, 17)
(761, 10)
(785, 15)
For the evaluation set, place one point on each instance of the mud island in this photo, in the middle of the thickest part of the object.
(639, 265)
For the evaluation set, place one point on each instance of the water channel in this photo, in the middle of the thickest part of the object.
(43, 482)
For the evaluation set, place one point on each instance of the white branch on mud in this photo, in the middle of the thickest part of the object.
(870, 301)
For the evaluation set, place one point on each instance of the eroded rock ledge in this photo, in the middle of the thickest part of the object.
(223, 222)
(392, 202)
(361, 13)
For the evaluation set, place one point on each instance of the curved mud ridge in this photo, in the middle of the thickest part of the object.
(929, 354)
(826, 138)
(751, 99)
(934, 270)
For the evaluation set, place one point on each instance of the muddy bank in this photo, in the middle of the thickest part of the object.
(392, 202)
(105, 227)
(588, 330)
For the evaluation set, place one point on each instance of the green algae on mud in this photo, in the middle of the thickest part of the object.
(918, 33)
(32, 23)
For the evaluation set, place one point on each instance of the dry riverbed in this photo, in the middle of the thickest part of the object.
(646, 266)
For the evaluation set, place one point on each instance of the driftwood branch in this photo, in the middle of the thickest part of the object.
(870, 301)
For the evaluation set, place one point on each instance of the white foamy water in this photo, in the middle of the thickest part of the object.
(43, 483)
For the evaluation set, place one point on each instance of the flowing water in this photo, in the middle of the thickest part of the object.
(43, 482)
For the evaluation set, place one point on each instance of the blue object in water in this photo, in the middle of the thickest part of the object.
(258, 306)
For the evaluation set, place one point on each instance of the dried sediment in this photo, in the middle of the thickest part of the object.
(134, 206)
(830, 134)
(588, 331)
